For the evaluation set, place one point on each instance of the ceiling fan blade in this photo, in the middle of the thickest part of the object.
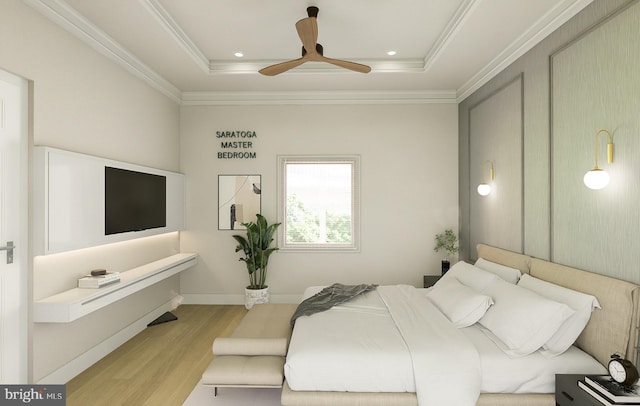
(311, 51)
(282, 67)
(308, 32)
(357, 67)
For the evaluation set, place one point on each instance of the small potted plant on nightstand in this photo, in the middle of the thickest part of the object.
(447, 241)
(257, 250)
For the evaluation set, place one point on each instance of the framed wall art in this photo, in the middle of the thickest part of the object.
(239, 200)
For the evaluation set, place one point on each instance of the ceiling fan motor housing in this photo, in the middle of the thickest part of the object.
(312, 11)
(319, 49)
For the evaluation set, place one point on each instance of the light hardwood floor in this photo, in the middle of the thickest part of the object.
(161, 365)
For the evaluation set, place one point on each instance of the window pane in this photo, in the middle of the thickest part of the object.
(319, 203)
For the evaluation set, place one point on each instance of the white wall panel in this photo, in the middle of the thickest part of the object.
(70, 201)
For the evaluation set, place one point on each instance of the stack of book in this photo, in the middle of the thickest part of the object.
(98, 281)
(608, 392)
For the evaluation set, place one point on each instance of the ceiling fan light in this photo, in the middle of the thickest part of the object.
(596, 179)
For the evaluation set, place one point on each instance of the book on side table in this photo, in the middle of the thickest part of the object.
(608, 392)
(98, 281)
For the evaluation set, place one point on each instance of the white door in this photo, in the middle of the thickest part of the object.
(14, 175)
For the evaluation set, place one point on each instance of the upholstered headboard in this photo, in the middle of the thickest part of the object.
(612, 329)
(504, 257)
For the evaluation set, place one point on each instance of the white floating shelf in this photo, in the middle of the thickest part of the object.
(75, 303)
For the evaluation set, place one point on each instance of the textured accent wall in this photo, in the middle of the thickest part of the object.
(495, 134)
(581, 78)
(596, 85)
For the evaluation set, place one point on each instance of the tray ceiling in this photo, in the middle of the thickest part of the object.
(445, 49)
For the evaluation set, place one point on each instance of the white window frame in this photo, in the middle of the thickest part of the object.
(354, 161)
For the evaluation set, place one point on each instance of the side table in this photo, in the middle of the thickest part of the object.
(568, 393)
(430, 280)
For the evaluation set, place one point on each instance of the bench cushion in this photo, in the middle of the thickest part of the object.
(238, 370)
(266, 321)
(250, 346)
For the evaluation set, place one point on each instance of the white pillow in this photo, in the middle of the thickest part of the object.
(582, 303)
(511, 275)
(470, 276)
(461, 304)
(521, 321)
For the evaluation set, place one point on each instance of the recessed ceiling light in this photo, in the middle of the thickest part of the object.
(239, 54)
(391, 53)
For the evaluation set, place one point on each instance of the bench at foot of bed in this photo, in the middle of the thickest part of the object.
(254, 355)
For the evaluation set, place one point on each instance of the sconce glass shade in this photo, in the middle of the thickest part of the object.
(484, 189)
(596, 179)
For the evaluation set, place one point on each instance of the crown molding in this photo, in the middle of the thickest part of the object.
(317, 97)
(173, 28)
(538, 31)
(244, 67)
(66, 17)
(459, 18)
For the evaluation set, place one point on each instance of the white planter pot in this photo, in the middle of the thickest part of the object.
(255, 296)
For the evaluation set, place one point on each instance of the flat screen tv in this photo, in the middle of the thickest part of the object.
(134, 201)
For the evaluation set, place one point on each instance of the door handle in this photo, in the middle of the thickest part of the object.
(9, 248)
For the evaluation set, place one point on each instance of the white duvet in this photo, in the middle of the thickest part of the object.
(351, 347)
(389, 340)
(446, 365)
(358, 347)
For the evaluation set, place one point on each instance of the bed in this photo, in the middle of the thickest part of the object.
(319, 371)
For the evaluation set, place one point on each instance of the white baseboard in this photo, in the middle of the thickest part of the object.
(74, 367)
(214, 299)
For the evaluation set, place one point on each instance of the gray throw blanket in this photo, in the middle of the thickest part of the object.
(329, 297)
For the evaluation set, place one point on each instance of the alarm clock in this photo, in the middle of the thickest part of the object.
(623, 371)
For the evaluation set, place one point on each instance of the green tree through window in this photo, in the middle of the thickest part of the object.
(319, 198)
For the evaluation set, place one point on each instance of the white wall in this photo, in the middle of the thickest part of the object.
(409, 173)
(85, 103)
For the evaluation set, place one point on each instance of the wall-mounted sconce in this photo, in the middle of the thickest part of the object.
(484, 188)
(598, 178)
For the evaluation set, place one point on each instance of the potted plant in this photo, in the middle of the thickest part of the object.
(257, 249)
(447, 241)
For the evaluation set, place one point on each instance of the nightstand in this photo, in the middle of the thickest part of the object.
(568, 393)
(430, 280)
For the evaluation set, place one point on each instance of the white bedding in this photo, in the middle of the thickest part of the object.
(357, 347)
(533, 373)
(360, 331)
(441, 355)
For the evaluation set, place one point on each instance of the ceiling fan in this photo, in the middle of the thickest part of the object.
(311, 51)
